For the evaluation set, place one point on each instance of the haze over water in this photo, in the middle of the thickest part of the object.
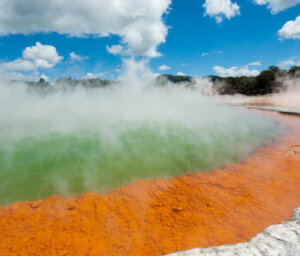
(74, 141)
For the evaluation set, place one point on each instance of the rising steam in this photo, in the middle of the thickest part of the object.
(289, 95)
(73, 141)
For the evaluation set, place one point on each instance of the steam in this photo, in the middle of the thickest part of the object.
(289, 95)
(91, 140)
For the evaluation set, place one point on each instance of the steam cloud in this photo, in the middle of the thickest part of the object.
(290, 93)
(73, 141)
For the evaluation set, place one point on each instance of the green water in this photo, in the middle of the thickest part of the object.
(53, 163)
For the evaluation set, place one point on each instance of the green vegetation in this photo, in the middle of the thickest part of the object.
(64, 83)
(267, 82)
(163, 79)
(87, 83)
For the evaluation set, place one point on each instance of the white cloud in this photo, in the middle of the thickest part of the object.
(220, 8)
(46, 78)
(255, 63)
(93, 75)
(164, 68)
(235, 71)
(11, 75)
(180, 74)
(19, 64)
(115, 49)
(138, 22)
(42, 52)
(75, 57)
(287, 63)
(291, 29)
(277, 5)
(212, 52)
(38, 56)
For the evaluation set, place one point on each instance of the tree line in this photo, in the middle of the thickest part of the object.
(267, 82)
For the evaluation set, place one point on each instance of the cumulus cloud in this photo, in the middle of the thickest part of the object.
(291, 29)
(6, 75)
(93, 75)
(138, 22)
(164, 68)
(255, 63)
(288, 63)
(235, 71)
(277, 5)
(37, 56)
(180, 74)
(47, 53)
(219, 9)
(115, 49)
(19, 64)
(75, 57)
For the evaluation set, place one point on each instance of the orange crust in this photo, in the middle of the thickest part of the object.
(164, 215)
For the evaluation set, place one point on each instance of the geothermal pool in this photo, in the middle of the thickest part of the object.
(66, 142)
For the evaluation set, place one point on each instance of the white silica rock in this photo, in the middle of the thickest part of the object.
(277, 240)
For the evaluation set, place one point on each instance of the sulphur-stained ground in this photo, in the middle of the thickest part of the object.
(280, 239)
(165, 215)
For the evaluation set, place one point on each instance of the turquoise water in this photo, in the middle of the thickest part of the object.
(44, 154)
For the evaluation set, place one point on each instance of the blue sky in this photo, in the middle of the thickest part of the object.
(249, 37)
(194, 44)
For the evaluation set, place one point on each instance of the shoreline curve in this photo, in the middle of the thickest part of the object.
(162, 216)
